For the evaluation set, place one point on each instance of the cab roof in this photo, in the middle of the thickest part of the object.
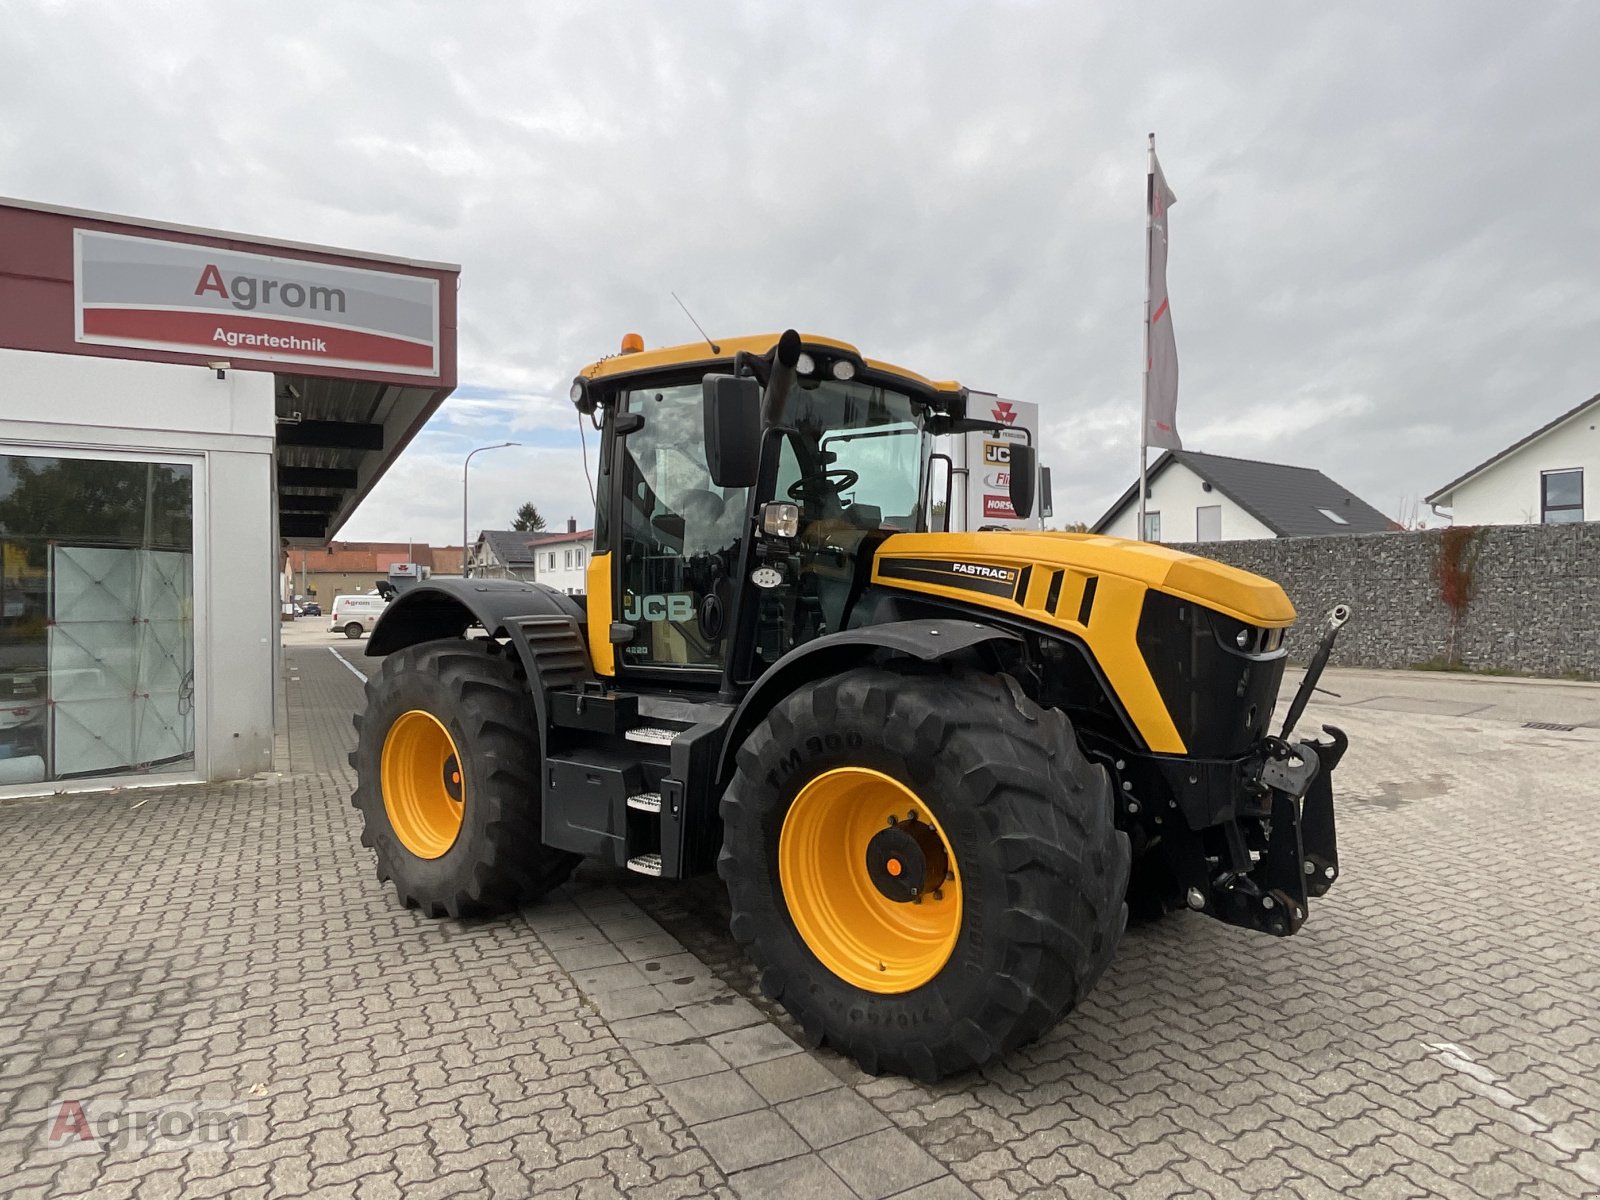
(693, 354)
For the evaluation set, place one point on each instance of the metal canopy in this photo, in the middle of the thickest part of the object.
(335, 438)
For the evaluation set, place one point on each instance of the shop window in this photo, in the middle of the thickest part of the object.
(96, 618)
(1561, 497)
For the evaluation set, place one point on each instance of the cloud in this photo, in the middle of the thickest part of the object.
(1382, 257)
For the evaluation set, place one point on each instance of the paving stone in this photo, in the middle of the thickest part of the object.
(721, 1014)
(833, 1116)
(803, 1178)
(663, 1029)
(667, 1064)
(648, 946)
(753, 1044)
(881, 1164)
(710, 1097)
(629, 1002)
(948, 1187)
(614, 978)
(583, 958)
(786, 1078)
(749, 1140)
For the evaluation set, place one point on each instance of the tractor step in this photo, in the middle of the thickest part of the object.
(649, 802)
(651, 735)
(645, 864)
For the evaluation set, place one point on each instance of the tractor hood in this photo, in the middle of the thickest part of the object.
(1027, 567)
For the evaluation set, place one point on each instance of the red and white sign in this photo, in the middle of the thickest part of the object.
(999, 506)
(135, 291)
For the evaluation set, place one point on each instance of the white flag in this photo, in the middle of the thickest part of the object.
(1161, 386)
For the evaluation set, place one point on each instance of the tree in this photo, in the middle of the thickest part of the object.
(528, 519)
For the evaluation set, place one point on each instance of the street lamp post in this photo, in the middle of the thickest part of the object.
(466, 570)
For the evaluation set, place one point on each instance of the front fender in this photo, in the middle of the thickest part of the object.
(445, 608)
(926, 640)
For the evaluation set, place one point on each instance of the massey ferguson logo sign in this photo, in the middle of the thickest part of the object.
(133, 291)
(1004, 413)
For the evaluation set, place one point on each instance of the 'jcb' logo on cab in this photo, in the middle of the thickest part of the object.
(996, 454)
(674, 606)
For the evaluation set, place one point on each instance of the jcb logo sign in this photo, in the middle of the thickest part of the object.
(673, 606)
(996, 454)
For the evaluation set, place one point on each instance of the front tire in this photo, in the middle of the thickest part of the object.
(984, 797)
(447, 781)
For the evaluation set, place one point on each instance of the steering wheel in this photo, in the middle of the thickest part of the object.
(823, 485)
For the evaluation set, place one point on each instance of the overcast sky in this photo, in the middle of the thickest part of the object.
(1384, 256)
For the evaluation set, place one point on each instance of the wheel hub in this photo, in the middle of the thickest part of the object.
(424, 793)
(905, 860)
(870, 880)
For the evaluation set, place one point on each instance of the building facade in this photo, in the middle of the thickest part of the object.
(354, 568)
(1550, 477)
(181, 408)
(561, 559)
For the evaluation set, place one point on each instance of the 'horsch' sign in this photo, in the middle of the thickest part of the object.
(134, 291)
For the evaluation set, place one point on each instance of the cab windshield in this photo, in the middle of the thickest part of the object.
(857, 455)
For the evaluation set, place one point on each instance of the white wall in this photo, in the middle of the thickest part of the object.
(563, 578)
(1175, 494)
(226, 428)
(1508, 492)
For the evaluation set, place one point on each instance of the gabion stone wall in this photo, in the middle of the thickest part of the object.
(1535, 607)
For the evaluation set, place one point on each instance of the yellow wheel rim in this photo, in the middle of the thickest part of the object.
(853, 840)
(424, 791)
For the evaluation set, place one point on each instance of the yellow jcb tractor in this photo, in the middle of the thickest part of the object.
(933, 769)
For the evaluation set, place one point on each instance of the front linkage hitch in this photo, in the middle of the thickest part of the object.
(1301, 857)
(1274, 846)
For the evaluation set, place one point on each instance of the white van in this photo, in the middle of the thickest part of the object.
(355, 615)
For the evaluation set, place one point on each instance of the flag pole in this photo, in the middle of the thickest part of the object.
(1144, 405)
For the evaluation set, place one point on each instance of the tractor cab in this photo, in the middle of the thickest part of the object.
(742, 496)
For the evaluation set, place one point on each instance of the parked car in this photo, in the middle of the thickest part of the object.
(356, 615)
(310, 609)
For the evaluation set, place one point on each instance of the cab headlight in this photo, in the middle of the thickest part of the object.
(780, 520)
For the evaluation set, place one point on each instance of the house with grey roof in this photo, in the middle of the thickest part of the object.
(1537, 480)
(502, 554)
(1196, 497)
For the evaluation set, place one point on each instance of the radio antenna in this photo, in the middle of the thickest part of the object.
(715, 349)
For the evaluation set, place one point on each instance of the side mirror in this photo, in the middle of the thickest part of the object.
(732, 406)
(1021, 465)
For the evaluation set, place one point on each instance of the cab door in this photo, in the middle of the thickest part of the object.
(677, 536)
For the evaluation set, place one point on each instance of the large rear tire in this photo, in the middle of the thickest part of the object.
(447, 781)
(992, 803)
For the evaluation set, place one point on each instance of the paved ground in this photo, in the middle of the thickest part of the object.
(1433, 1031)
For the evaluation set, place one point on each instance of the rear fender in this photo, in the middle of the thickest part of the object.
(546, 627)
(446, 608)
